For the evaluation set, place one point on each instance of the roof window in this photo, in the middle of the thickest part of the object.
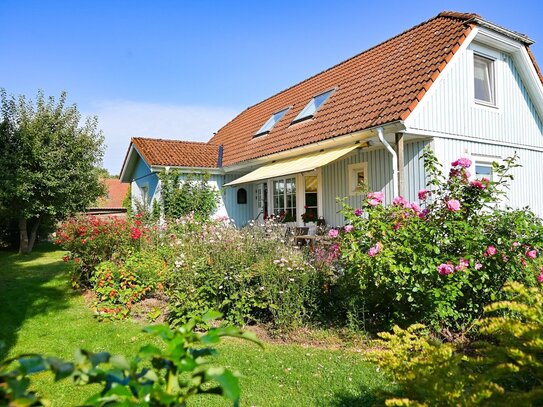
(266, 128)
(311, 108)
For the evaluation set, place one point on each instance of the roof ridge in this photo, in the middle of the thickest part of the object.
(444, 14)
(175, 141)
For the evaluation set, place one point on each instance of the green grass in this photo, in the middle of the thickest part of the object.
(40, 313)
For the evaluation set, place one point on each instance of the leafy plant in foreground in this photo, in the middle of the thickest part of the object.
(155, 377)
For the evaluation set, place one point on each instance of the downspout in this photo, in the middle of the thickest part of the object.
(395, 187)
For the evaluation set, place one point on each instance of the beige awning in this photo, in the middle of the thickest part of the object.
(294, 165)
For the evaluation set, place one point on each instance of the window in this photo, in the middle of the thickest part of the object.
(483, 170)
(284, 199)
(266, 128)
(358, 175)
(242, 196)
(311, 213)
(483, 79)
(311, 108)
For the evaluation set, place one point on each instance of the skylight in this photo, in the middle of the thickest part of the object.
(266, 128)
(311, 108)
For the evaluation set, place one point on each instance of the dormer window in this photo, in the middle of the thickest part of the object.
(311, 108)
(266, 128)
(483, 80)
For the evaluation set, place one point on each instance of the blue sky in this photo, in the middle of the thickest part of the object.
(180, 69)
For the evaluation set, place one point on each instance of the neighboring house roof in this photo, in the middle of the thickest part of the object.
(116, 192)
(378, 86)
(177, 153)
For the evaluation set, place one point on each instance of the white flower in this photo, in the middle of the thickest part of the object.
(261, 288)
(220, 287)
(291, 280)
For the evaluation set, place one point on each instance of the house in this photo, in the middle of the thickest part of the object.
(112, 203)
(458, 83)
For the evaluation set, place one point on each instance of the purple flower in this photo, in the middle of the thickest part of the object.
(453, 205)
(445, 269)
(348, 228)
(333, 233)
(424, 213)
(423, 193)
(358, 212)
(462, 162)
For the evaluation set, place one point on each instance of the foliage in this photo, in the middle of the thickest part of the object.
(439, 265)
(92, 240)
(155, 377)
(503, 369)
(251, 275)
(48, 161)
(181, 197)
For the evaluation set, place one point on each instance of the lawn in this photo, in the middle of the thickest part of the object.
(40, 313)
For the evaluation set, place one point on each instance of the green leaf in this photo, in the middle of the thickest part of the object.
(226, 380)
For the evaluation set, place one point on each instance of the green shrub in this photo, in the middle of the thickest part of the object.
(155, 377)
(439, 265)
(251, 275)
(503, 369)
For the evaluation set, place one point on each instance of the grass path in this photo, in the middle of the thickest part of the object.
(40, 313)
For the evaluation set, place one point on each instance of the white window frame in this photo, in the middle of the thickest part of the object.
(271, 189)
(491, 72)
(353, 171)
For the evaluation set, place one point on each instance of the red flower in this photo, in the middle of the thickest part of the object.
(135, 234)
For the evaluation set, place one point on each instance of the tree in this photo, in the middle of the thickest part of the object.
(49, 163)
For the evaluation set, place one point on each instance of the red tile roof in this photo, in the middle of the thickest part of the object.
(177, 153)
(378, 86)
(116, 192)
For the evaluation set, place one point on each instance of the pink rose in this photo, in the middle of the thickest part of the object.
(423, 193)
(415, 206)
(540, 277)
(373, 202)
(333, 233)
(358, 212)
(379, 196)
(348, 228)
(532, 254)
(445, 269)
(374, 250)
(400, 201)
(462, 162)
(453, 205)
(490, 251)
(478, 266)
(462, 265)
(477, 184)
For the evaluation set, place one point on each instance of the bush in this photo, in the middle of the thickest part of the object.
(250, 275)
(120, 285)
(154, 377)
(91, 240)
(504, 369)
(439, 265)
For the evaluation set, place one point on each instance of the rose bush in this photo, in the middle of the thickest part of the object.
(440, 261)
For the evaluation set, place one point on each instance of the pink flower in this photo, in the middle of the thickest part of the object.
(540, 277)
(415, 206)
(374, 250)
(516, 244)
(397, 226)
(532, 254)
(373, 202)
(490, 251)
(478, 266)
(358, 212)
(423, 193)
(445, 269)
(379, 196)
(523, 262)
(333, 233)
(462, 162)
(462, 265)
(477, 184)
(348, 228)
(424, 213)
(453, 205)
(400, 201)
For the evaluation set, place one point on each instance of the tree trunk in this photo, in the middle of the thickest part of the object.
(23, 241)
(27, 242)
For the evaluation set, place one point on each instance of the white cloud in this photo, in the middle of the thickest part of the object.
(121, 120)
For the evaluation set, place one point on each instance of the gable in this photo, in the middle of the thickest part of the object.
(450, 108)
(378, 86)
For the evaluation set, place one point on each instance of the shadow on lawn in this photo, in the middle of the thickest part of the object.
(30, 285)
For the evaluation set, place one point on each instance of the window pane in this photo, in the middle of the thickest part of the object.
(483, 171)
(311, 108)
(310, 199)
(482, 76)
(271, 122)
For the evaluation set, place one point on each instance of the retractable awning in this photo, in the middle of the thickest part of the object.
(295, 165)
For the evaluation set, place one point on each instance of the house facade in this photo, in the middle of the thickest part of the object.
(457, 83)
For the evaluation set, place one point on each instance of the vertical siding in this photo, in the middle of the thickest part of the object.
(240, 213)
(143, 177)
(524, 189)
(335, 178)
(450, 107)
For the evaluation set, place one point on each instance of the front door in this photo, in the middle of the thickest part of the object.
(261, 204)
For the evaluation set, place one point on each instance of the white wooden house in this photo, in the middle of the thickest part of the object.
(461, 84)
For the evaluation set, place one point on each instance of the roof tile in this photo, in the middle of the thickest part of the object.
(177, 153)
